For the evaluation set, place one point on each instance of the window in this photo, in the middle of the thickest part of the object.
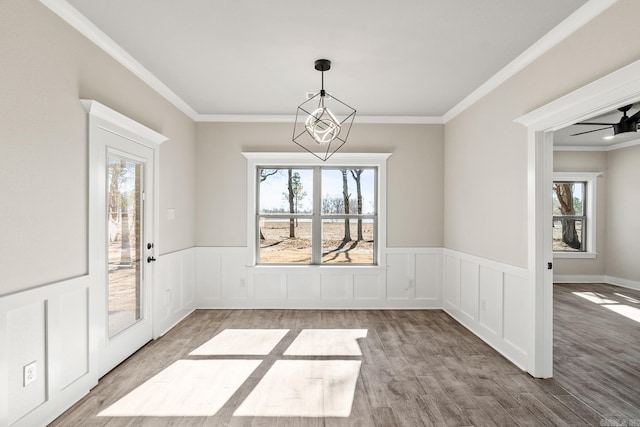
(314, 225)
(316, 215)
(574, 198)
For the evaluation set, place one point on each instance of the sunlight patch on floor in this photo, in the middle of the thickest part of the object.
(624, 310)
(327, 342)
(628, 298)
(241, 342)
(594, 297)
(195, 388)
(304, 388)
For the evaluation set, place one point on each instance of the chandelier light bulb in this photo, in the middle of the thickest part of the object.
(322, 125)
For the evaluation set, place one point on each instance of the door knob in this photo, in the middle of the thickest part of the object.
(150, 259)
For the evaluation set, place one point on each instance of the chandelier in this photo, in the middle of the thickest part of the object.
(323, 122)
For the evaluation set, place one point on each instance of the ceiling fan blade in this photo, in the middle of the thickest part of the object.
(635, 117)
(595, 123)
(589, 131)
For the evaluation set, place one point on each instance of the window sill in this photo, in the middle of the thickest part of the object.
(575, 255)
(318, 268)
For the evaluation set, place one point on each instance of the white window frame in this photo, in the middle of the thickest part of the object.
(591, 182)
(351, 160)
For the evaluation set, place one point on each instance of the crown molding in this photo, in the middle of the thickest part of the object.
(597, 147)
(263, 118)
(580, 17)
(78, 21)
(576, 20)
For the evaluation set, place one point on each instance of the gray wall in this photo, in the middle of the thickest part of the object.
(590, 161)
(414, 177)
(623, 213)
(618, 222)
(486, 152)
(47, 67)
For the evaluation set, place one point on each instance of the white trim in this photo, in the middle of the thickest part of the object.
(575, 255)
(625, 283)
(265, 118)
(539, 235)
(306, 159)
(254, 159)
(597, 148)
(150, 137)
(573, 278)
(576, 20)
(621, 87)
(85, 27)
(610, 280)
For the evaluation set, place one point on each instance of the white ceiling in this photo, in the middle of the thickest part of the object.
(411, 58)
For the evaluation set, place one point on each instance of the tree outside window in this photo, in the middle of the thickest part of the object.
(574, 214)
(569, 220)
(336, 225)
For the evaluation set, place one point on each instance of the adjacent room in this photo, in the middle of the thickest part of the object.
(349, 213)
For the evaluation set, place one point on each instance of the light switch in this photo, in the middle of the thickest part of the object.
(171, 214)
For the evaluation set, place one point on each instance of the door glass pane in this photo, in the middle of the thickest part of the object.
(124, 213)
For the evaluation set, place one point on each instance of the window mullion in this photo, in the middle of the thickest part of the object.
(316, 223)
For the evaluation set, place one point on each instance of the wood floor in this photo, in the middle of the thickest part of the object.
(415, 368)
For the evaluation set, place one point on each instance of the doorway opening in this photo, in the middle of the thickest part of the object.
(617, 89)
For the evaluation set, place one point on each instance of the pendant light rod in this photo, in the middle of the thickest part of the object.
(322, 65)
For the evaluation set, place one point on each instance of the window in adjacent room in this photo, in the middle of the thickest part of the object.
(574, 215)
(316, 215)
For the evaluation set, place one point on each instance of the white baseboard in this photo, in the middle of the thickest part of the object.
(568, 278)
(611, 280)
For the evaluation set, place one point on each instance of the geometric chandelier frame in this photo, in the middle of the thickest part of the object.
(323, 122)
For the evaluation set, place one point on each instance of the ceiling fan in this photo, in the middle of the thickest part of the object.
(626, 123)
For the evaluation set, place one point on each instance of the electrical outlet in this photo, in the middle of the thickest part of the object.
(29, 373)
(243, 283)
(483, 305)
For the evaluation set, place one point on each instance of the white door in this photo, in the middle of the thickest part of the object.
(122, 246)
(123, 162)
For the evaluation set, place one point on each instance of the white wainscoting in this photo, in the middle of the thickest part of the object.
(174, 296)
(51, 324)
(410, 278)
(490, 299)
(48, 325)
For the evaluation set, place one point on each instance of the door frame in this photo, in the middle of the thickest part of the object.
(616, 89)
(102, 118)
